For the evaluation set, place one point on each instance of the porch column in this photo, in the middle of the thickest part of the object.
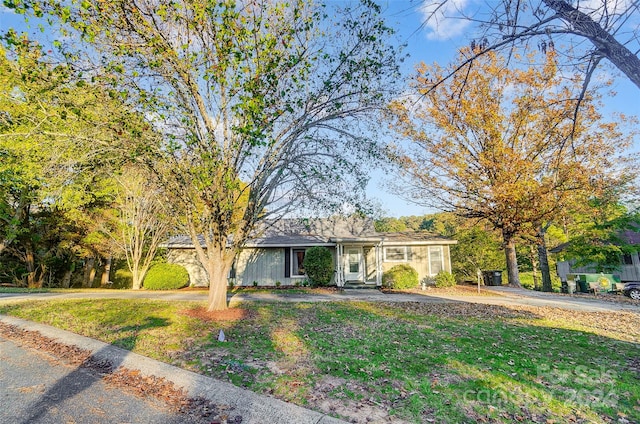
(379, 264)
(339, 267)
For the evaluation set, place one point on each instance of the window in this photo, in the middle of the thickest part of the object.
(395, 254)
(627, 259)
(354, 261)
(436, 262)
(297, 261)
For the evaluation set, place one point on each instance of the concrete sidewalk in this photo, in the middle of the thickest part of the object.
(252, 407)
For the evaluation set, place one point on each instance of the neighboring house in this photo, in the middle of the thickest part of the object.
(628, 269)
(360, 254)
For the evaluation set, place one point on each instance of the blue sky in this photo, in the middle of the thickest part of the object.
(434, 42)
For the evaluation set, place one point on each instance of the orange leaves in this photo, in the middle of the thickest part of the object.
(507, 144)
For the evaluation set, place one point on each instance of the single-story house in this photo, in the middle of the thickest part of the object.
(628, 268)
(360, 254)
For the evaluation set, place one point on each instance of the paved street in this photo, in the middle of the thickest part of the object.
(37, 388)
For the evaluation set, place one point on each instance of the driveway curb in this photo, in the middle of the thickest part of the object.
(253, 407)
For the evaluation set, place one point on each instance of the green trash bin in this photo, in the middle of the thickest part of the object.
(492, 277)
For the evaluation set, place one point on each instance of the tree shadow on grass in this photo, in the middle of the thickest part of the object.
(89, 372)
(451, 362)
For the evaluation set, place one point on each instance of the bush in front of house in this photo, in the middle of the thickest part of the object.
(122, 279)
(318, 266)
(400, 277)
(445, 279)
(165, 276)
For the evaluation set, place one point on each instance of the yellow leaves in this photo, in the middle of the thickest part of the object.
(503, 143)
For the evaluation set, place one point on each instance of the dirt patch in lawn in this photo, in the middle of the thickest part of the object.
(228, 315)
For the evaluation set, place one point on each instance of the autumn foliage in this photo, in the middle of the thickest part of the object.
(509, 145)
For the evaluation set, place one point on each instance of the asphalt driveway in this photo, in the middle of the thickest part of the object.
(503, 296)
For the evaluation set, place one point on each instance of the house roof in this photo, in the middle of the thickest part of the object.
(322, 232)
(418, 237)
(631, 236)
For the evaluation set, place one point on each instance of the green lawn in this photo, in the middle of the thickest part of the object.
(423, 363)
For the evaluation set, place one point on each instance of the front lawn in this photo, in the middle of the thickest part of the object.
(413, 362)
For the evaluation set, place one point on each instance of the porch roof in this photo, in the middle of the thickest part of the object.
(415, 238)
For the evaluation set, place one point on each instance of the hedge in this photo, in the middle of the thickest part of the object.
(318, 265)
(400, 277)
(165, 276)
(445, 279)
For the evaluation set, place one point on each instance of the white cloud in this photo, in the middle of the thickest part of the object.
(6, 10)
(600, 8)
(444, 19)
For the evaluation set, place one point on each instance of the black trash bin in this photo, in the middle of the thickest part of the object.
(492, 277)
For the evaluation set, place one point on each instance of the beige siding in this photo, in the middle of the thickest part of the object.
(370, 263)
(418, 258)
(447, 258)
(266, 266)
(189, 259)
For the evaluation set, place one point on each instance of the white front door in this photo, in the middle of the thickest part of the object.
(353, 264)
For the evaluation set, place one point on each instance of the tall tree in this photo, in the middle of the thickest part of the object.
(611, 28)
(503, 145)
(58, 136)
(256, 100)
(143, 220)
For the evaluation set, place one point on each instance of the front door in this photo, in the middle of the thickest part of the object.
(353, 264)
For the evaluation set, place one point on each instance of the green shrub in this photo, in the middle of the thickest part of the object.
(318, 265)
(165, 276)
(400, 277)
(445, 279)
(122, 279)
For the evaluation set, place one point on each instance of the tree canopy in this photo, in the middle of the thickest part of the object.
(504, 145)
(261, 105)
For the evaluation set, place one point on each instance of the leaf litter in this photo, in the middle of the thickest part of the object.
(195, 410)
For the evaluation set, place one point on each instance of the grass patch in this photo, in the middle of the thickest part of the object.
(22, 290)
(444, 363)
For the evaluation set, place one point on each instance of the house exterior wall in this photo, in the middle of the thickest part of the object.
(188, 258)
(267, 265)
(369, 263)
(418, 259)
(627, 272)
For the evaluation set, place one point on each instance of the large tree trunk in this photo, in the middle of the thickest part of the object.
(218, 264)
(136, 278)
(30, 263)
(544, 260)
(513, 275)
(89, 272)
(104, 280)
(66, 279)
(218, 273)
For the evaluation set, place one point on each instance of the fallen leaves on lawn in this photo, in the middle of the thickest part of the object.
(228, 315)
